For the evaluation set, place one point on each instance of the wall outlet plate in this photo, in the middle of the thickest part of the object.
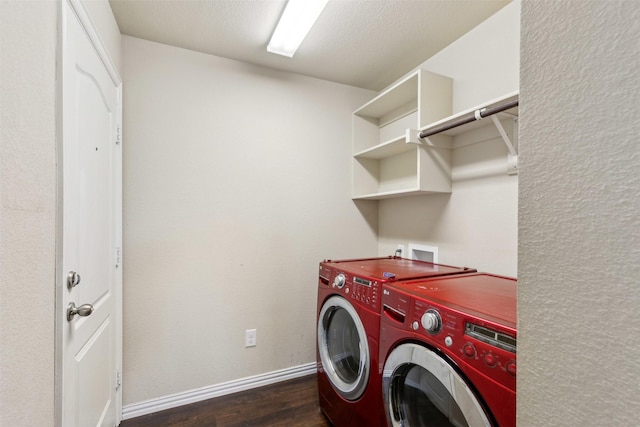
(250, 338)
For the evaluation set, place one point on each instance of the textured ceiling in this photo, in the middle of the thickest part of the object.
(363, 43)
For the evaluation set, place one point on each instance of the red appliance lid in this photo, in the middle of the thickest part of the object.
(480, 294)
(395, 268)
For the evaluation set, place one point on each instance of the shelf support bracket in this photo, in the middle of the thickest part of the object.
(412, 136)
(512, 156)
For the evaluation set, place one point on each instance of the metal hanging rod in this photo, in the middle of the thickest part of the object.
(470, 117)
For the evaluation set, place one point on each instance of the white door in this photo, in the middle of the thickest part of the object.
(89, 270)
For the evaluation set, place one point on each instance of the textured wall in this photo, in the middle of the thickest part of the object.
(27, 212)
(579, 223)
(235, 187)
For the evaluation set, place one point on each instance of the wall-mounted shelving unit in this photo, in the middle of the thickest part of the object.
(386, 162)
(402, 138)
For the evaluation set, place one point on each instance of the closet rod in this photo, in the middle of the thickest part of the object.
(470, 117)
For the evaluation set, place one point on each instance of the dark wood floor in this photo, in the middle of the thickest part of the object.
(286, 404)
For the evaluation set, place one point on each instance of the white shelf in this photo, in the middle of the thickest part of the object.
(401, 98)
(386, 149)
(390, 194)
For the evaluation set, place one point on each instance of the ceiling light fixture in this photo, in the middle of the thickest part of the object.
(296, 21)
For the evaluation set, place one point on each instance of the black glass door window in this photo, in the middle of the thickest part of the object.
(420, 399)
(343, 345)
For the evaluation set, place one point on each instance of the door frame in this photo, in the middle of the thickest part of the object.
(60, 276)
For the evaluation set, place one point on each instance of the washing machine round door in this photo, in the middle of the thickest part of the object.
(343, 347)
(421, 389)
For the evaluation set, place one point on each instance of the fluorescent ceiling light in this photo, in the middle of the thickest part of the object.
(296, 21)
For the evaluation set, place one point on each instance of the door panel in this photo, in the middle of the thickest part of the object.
(91, 223)
(97, 407)
(94, 132)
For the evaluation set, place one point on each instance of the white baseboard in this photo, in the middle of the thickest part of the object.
(216, 390)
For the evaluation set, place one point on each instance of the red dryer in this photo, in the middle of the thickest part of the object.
(448, 346)
(349, 292)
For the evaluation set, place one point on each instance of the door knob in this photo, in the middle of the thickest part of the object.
(73, 279)
(84, 310)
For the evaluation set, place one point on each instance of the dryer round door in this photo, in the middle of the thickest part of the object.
(421, 389)
(343, 347)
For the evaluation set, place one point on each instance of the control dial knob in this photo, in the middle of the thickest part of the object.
(469, 350)
(339, 281)
(490, 360)
(431, 321)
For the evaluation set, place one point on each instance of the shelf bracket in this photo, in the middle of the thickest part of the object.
(412, 136)
(512, 156)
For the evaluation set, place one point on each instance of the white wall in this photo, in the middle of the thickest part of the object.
(476, 225)
(579, 222)
(28, 42)
(27, 212)
(484, 63)
(235, 187)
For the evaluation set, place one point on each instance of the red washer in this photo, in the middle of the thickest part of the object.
(448, 345)
(348, 327)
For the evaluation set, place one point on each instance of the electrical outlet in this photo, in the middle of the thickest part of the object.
(400, 250)
(250, 338)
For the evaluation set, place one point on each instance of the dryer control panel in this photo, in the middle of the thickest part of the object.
(365, 291)
(485, 346)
